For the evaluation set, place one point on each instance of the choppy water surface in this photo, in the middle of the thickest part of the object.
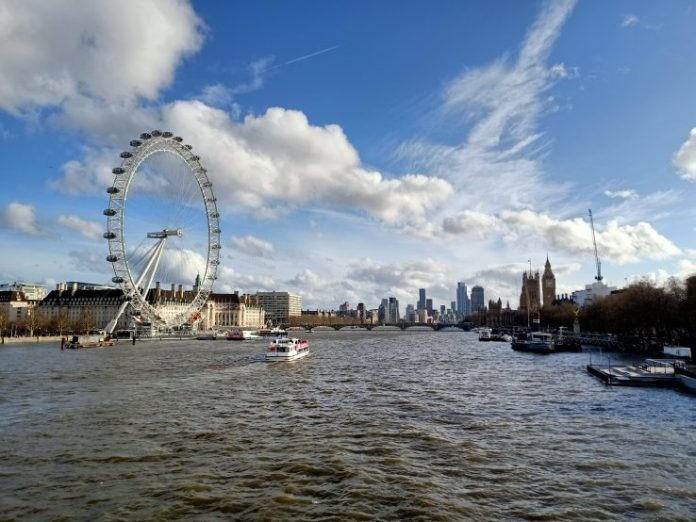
(432, 426)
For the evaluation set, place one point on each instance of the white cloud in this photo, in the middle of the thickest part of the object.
(629, 20)
(685, 158)
(634, 207)
(89, 229)
(230, 280)
(277, 160)
(620, 243)
(58, 50)
(503, 103)
(20, 217)
(623, 194)
(253, 246)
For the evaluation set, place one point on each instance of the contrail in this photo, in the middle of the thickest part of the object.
(311, 55)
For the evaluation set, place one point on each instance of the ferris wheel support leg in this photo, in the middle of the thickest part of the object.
(154, 258)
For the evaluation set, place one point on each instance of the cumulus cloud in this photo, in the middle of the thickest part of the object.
(252, 246)
(278, 159)
(111, 51)
(20, 217)
(89, 229)
(621, 243)
(685, 158)
(230, 280)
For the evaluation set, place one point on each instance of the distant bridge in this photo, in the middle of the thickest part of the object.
(367, 326)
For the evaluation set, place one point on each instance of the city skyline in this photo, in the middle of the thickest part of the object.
(352, 161)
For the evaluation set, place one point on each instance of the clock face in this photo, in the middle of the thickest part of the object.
(549, 283)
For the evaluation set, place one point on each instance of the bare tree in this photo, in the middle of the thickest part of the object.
(62, 321)
(4, 322)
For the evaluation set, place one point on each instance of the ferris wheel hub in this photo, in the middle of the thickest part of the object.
(178, 232)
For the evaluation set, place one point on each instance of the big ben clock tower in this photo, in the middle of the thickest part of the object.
(548, 284)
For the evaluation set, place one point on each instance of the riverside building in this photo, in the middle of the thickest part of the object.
(280, 306)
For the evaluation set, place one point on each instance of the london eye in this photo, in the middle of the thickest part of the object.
(162, 227)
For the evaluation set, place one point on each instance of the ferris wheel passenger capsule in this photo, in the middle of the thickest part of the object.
(118, 170)
(167, 134)
(109, 212)
(112, 190)
(156, 133)
(111, 258)
(109, 235)
(145, 136)
(135, 143)
(126, 155)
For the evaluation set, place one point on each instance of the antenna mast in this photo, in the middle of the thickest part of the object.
(598, 277)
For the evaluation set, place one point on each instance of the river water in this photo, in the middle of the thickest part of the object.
(372, 425)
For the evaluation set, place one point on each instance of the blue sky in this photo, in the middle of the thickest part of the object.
(360, 150)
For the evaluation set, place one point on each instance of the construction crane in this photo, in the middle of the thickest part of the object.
(598, 277)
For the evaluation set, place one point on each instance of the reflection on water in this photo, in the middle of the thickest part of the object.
(432, 426)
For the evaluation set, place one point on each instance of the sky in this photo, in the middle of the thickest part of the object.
(360, 150)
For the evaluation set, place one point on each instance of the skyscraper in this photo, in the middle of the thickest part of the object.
(393, 316)
(463, 303)
(477, 298)
(421, 299)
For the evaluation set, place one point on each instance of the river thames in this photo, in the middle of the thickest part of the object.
(370, 426)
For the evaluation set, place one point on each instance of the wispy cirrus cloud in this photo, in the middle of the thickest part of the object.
(502, 103)
(629, 20)
(252, 246)
(89, 229)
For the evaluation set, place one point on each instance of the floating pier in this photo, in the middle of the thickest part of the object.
(651, 372)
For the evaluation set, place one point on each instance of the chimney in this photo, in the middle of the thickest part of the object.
(181, 291)
(173, 291)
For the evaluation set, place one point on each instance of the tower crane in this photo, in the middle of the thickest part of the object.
(598, 277)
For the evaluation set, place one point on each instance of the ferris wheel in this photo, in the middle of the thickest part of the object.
(162, 226)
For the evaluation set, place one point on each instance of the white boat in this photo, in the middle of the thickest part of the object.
(273, 332)
(237, 334)
(94, 339)
(286, 349)
(485, 334)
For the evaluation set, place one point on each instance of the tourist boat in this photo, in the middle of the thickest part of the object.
(685, 374)
(93, 339)
(273, 332)
(484, 334)
(534, 342)
(237, 334)
(286, 349)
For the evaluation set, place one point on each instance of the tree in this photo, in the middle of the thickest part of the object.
(62, 321)
(4, 322)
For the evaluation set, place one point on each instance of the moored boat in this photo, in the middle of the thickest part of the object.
(534, 342)
(287, 349)
(686, 374)
(485, 334)
(237, 334)
(93, 339)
